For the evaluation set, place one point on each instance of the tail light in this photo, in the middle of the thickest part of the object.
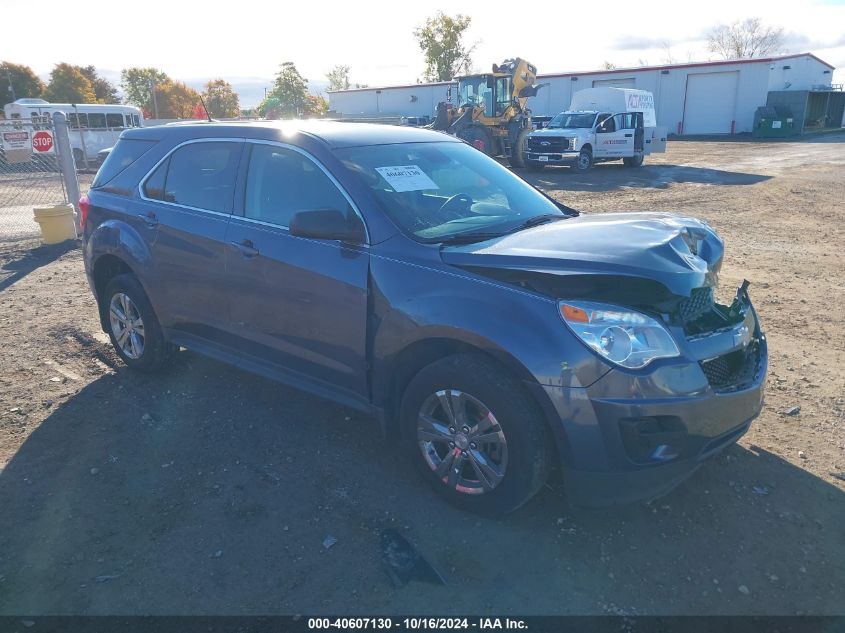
(83, 211)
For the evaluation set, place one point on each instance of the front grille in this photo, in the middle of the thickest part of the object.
(734, 370)
(697, 305)
(548, 144)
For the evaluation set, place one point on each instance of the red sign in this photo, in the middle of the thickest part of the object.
(42, 142)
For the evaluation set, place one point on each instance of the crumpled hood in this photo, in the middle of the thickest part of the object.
(678, 252)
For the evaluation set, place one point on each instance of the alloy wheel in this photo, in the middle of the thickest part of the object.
(127, 326)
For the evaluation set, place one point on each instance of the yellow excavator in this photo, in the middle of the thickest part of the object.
(492, 113)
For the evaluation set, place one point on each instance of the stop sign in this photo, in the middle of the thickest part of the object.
(42, 142)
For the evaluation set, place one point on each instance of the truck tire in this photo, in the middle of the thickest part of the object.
(633, 161)
(475, 434)
(517, 157)
(477, 136)
(584, 161)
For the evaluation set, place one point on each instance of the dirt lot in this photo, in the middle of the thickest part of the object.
(208, 490)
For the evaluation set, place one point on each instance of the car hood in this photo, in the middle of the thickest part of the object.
(678, 252)
(559, 131)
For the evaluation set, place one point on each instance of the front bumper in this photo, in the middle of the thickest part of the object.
(552, 158)
(635, 435)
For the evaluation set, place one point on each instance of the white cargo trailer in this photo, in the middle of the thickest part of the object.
(601, 124)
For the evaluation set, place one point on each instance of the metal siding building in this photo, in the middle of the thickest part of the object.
(696, 98)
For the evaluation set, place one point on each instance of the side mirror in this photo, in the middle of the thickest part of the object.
(328, 224)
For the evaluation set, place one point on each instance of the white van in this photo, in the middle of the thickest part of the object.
(602, 124)
(93, 126)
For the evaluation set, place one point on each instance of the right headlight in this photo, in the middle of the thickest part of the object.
(622, 336)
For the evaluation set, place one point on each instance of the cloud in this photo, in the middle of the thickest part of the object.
(637, 42)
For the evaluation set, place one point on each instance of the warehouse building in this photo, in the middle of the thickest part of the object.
(718, 97)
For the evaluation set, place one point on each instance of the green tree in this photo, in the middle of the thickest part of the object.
(288, 97)
(745, 39)
(17, 82)
(175, 100)
(608, 65)
(137, 86)
(220, 99)
(69, 85)
(315, 106)
(441, 41)
(104, 90)
(338, 78)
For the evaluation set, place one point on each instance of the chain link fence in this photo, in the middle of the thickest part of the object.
(30, 175)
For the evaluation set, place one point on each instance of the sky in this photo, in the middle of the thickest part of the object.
(194, 42)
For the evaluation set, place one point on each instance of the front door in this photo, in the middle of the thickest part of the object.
(298, 304)
(184, 209)
(613, 139)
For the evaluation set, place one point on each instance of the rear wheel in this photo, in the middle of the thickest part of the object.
(633, 161)
(517, 157)
(475, 434)
(583, 162)
(133, 327)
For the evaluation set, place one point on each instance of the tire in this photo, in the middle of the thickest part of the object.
(517, 157)
(519, 455)
(584, 161)
(633, 161)
(478, 136)
(78, 158)
(146, 350)
(535, 165)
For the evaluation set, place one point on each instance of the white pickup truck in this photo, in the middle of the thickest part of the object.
(602, 124)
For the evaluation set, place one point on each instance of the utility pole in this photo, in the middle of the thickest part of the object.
(12, 88)
(155, 101)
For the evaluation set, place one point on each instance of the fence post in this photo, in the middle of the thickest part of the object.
(66, 163)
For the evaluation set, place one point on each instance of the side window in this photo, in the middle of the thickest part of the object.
(154, 186)
(82, 120)
(281, 182)
(200, 175)
(72, 121)
(114, 120)
(619, 121)
(605, 123)
(136, 120)
(96, 120)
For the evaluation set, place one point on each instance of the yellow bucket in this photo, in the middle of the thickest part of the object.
(57, 223)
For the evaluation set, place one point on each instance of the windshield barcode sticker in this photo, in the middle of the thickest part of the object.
(406, 178)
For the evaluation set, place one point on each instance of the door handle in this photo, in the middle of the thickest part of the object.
(149, 219)
(245, 247)
(628, 135)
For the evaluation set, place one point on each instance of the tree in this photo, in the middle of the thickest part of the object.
(745, 39)
(137, 86)
(315, 106)
(175, 100)
(338, 78)
(17, 82)
(69, 85)
(608, 65)
(440, 40)
(289, 96)
(104, 90)
(220, 99)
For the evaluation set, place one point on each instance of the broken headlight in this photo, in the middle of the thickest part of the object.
(629, 339)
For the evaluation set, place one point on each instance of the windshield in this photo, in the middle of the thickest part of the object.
(474, 91)
(434, 191)
(572, 120)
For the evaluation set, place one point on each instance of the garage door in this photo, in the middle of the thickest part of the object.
(614, 83)
(710, 102)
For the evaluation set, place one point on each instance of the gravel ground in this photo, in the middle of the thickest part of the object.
(207, 490)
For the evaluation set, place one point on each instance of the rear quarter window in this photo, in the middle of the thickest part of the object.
(126, 152)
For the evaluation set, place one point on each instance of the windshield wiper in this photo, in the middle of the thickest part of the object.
(537, 220)
(467, 238)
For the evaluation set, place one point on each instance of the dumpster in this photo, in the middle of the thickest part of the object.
(57, 223)
(771, 122)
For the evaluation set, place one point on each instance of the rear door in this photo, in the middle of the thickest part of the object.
(298, 304)
(186, 202)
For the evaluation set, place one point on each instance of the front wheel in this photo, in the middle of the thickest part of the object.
(633, 161)
(133, 327)
(475, 435)
(583, 162)
(517, 157)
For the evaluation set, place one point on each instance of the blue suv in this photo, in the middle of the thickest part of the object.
(497, 334)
